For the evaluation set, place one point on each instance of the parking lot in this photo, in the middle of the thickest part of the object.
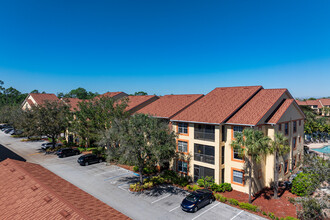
(110, 184)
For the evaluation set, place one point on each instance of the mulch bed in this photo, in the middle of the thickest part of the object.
(281, 207)
(124, 166)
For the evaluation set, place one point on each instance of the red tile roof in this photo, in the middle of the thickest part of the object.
(110, 94)
(218, 105)
(169, 105)
(310, 102)
(134, 102)
(257, 107)
(73, 102)
(280, 111)
(325, 101)
(29, 191)
(41, 98)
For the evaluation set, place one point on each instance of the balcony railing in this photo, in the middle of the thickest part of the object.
(204, 158)
(200, 135)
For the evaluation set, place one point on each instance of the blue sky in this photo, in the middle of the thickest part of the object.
(165, 47)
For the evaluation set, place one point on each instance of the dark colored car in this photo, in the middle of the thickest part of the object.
(66, 152)
(87, 159)
(197, 200)
(8, 130)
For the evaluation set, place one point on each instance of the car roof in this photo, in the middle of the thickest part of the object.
(202, 191)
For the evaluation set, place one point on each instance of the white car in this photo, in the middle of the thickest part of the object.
(46, 146)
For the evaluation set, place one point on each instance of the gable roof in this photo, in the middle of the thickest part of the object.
(41, 98)
(30, 191)
(257, 107)
(324, 101)
(73, 102)
(310, 102)
(112, 94)
(137, 102)
(169, 105)
(218, 105)
(281, 110)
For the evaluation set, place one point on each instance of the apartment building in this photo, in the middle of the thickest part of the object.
(320, 106)
(38, 99)
(207, 127)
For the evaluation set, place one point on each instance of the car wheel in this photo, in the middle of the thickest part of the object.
(100, 161)
(63, 155)
(86, 164)
(77, 153)
(211, 200)
(195, 209)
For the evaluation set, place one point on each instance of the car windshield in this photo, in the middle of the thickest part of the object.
(192, 198)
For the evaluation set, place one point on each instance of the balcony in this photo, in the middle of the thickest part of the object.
(202, 135)
(204, 158)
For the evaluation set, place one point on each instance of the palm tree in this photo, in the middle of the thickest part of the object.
(253, 145)
(279, 146)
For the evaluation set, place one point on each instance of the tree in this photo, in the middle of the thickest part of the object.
(280, 147)
(50, 119)
(253, 145)
(147, 141)
(139, 93)
(79, 93)
(93, 118)
(35, 91)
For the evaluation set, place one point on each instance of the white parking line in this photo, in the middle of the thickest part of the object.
(161, 198)
(174, 209)
(121, 185)
(237, 215)
(205, 211)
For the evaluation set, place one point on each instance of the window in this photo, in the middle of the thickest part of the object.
(299, 122)
(238, 176)
(236, 155)
(279, 168)
(182, 166)
(286, 167)
(237, 129)
(223, 133)
(223, 155)
(295, 126)
(294, 143)
(280, 127)
(299, 139)
(183, 146)
(286, 130)
(204, 132)
(183, 128)
(204, 153)
(200, 172)
(294, 161)
(222, 175)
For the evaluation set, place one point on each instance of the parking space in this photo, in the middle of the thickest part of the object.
(110, 184)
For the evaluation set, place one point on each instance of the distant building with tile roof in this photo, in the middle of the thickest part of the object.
(320, 106)
(29, 191)
(114, 95)
(73, 102)
(38, 99)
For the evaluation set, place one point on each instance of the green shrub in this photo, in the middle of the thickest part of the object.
(135, 169)
(248, 206)
(264, 213)
(271, 215)
(200, 182)
(290, 218)
(220, 198)
(233, 201)
(303, 184)
(136, 187)
(227, 187)
(148, 185)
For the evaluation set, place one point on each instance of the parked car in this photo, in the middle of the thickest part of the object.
(66, 152)
(3, 126)
(46, 146)
(87, 159)
(8, 130)
(197, 200)
(16, 132)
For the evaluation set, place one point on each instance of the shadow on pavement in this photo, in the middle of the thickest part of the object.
(6, 153)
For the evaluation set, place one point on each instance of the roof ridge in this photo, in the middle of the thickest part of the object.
(17, 165)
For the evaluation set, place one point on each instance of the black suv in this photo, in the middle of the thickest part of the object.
(67, 152)
(197, 200)
(87, 159)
